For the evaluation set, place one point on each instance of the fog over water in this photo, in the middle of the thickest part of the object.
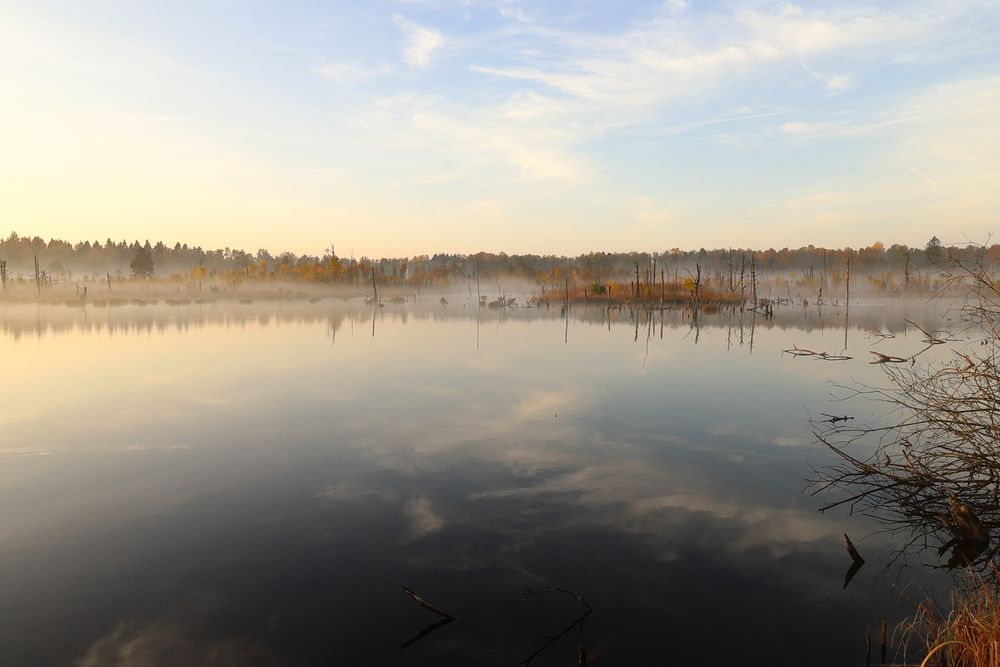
(226, 483)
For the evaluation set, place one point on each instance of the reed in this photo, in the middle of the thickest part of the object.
(967, 635)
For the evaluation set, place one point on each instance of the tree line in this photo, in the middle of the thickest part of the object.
(62, 260)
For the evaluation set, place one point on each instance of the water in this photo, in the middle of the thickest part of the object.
(254, 483)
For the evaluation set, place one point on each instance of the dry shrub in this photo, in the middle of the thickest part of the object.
(966, 636)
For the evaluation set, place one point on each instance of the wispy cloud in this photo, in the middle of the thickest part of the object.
(835, 83)
(926, 179)
(419, 44)
(570, 88)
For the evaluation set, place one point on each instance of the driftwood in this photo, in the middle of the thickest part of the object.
(427, 605)
(856, 561)
(446, 617)
(825, 356)
(930, 337)
(970, 538)
(833, 419)
(888, 359)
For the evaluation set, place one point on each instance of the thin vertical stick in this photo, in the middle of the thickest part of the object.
(824, 267)
(38, 281)
(743, 287)
(883, 642)
(848, 283)
(868, 647)
(847, 311)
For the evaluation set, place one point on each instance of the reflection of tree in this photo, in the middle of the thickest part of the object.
(574, 623)
(931, 468)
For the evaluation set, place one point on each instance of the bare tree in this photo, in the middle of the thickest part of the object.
(930, 467)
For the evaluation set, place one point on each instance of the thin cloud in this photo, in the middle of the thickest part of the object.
(926, 179)
(420, 43)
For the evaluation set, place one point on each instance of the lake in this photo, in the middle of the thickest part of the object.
(241, 484)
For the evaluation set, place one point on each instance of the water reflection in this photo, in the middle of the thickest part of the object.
(230, 483)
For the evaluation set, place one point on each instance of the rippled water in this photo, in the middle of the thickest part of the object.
(255, 483)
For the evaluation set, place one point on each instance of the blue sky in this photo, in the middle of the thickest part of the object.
(405, 127)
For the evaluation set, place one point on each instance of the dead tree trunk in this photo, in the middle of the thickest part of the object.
(848, 283)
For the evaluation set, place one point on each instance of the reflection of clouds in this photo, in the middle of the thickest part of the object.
(545, 404)
(792, 441)
(441, 391)
(624, 486)
(81, 449)
(759, 525)
(355, 491)
(765, 434)
(423, 520)
(166, 644)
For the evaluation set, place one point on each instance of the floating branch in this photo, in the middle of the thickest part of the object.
(427, 605)
(833, 419)
(853, 551)
(825, 356)
(932, 338)
(887, 359)
(801, 352)
(856, 561)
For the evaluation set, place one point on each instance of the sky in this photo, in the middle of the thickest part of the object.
(404, 127)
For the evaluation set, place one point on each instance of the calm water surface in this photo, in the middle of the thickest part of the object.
(253, 484)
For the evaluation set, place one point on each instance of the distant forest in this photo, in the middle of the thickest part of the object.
(62, 261)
